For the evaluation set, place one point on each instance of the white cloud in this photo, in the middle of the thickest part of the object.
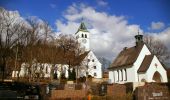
(53, 5)
(101, 3)
(12, 16)
(157, 26)
(163, 36)
(109, 33)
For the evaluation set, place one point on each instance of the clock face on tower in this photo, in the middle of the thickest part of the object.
(84, 40)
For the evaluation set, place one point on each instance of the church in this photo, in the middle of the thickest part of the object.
(137, 64)
(88, 62)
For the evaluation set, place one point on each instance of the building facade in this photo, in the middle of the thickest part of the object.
(90, 65)
(137, 64)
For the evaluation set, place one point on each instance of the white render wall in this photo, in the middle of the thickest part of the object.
(111, 77)
(142, 76)
(144, 51)
(80, 39)
(152, 69)
(91, 61)
(115, 76)
(46, 69)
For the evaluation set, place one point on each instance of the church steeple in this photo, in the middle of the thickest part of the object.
(82, 27)
(83, 36)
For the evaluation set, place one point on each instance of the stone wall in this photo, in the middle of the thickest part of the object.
(70, 92)
(116, 90)
(152, 92)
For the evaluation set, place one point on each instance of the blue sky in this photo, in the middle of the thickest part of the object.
(112, 23)
(141, 12)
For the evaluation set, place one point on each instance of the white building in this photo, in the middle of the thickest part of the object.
(89, 64)
(137, 64)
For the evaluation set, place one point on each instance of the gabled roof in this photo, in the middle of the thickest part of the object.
(146, 63)
(82, 27)
(127, 57)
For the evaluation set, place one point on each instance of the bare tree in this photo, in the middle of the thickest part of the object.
(71, 51)
(11, 31)
(38, 47)
(158, 48)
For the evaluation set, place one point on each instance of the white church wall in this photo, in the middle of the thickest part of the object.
(144, 51)
(81, 39)
(142, 77)
(61, 68)
(93, 64)
(122, 75)
(111, 77)
(152, 69)
(47, 70)
(23, 70)
(130, 74)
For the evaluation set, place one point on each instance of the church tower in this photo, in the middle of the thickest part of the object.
(83, 36)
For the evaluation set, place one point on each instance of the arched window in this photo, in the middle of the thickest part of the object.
(85, 35)
(82, 35)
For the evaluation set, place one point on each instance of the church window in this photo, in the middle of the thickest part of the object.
(117, 75)
(93, 60)
(82, 35)
(95, 74)
(94, 67)
(88, 60)
(125, 75)
(122, 74)
(85, 35)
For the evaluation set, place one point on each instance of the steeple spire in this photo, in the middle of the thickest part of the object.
(82, 27)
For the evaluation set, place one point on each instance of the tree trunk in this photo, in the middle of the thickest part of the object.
(3, 68)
